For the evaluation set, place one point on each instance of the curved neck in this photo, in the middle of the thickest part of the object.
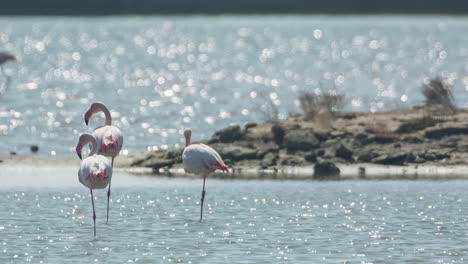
(187, 140)
(100, 107)
(89, 139)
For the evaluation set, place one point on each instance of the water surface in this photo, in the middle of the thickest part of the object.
(155, 220)
(159, 75)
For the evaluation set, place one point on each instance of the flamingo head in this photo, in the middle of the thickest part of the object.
(78, 149)
(83, 140)
(187, 135)
(88, 115)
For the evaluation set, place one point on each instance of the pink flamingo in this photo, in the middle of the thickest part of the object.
(5, 57)
(109, 138)
(95, 170)
(201, 159)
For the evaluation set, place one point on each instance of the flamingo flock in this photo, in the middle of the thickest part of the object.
(106, 142)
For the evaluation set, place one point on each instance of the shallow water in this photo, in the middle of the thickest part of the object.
(159, 75)
(155, 220)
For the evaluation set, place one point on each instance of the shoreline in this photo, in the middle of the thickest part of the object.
(417, 143)
(362, 171)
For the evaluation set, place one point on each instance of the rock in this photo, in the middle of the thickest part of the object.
(278, 134)
(311, 156)
(320, 152)
(362, 138)
(291, 161)
(450, 142)
(432, 156)
(174, 154)
(262, 151)
(300, 140)
(157, 163)
(412, 140)
(394, 159)
(250, 125)
(325, 169)
(344, 152)
(236, 153)
(379, 139)
(12, 153)
(462, 147)
(366, 156)
(446, 131)
(269, 160)
(34, 148)
(228, 134)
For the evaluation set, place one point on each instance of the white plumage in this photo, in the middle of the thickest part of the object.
(202, 160)
(109, 138)
(95, 170)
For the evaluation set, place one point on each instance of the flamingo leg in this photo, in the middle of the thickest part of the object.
(94, 212)
(109, 193)
(202, 198)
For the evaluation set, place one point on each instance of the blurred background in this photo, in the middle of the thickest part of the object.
(161, 66)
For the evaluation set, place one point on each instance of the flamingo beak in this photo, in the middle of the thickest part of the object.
(79, 155)
(86, 121)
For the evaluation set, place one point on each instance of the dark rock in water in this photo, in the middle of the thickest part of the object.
(325, 169)
(157, 163)
(229, 134)
(412, 140)
(343, 152)
(12, 153)
(446, 131)
(34, 148)
(269, 160)
(311, 156)
(250, 125)
(395, 159)
(236, 153)
(300, 140)
(278, 134)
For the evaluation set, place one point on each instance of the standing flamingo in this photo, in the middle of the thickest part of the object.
(201, 159)
(5, 57)
(95, 170)
(109, 138)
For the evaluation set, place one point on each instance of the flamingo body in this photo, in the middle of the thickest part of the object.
(110, 140)
(95, 172)
(201, 159)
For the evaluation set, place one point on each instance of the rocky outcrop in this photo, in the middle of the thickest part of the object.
(296, 142)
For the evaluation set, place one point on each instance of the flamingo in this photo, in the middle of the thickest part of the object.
(109, 138)
(5, 57)
(95, 170)
(202, 160)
